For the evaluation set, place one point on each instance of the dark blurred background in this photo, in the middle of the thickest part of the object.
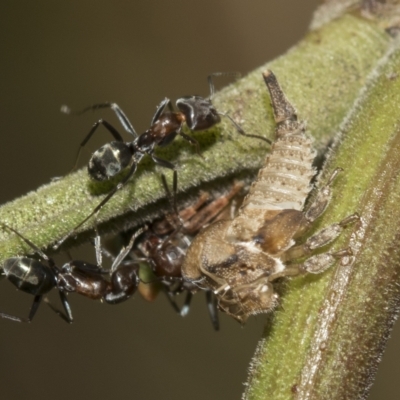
(134, 53)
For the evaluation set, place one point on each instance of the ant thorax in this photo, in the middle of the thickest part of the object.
(240, 259)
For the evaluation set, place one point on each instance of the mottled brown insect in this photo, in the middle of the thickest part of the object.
(240, 259)
(165, 242)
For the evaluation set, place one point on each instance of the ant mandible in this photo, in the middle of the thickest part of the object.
(34, 277)
(197, 112)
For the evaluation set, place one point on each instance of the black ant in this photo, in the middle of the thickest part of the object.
(37, 279)
(198, 113)
(166, 241)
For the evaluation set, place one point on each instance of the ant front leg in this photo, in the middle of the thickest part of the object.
(241, 131)
(226, 115)
(114, 106)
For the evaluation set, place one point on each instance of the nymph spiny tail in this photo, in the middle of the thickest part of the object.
(241, 259)
(284, 180)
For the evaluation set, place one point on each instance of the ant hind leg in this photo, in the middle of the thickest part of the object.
(32, 312)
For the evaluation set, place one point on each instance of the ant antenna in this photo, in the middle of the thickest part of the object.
(27, 241)
(225, 114)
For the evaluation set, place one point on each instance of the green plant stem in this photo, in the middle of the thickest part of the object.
(327, 342)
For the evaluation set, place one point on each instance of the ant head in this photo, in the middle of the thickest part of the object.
(199, 112)
(109, 160)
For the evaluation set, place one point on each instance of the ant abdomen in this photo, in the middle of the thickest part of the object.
(28, 275)
(109, 160)
(199, 113)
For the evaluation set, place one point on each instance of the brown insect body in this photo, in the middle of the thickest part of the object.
(240, 258)
(165, 243)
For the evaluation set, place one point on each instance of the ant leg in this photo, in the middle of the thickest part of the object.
(186, 305)
(172, 302)
(108, 126)
(175, 190)
(175, 221)
(241, 131)
(67, 317)
(212, 92)
(114, 106)
(32, 312)
(99, 255)
(125, 250)
(98, 249)
(192, 141)
(160, 109)
(99, 206)
(66, 306)
(162, 163)
(172, 197)
(34, 308)
(212, 309)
